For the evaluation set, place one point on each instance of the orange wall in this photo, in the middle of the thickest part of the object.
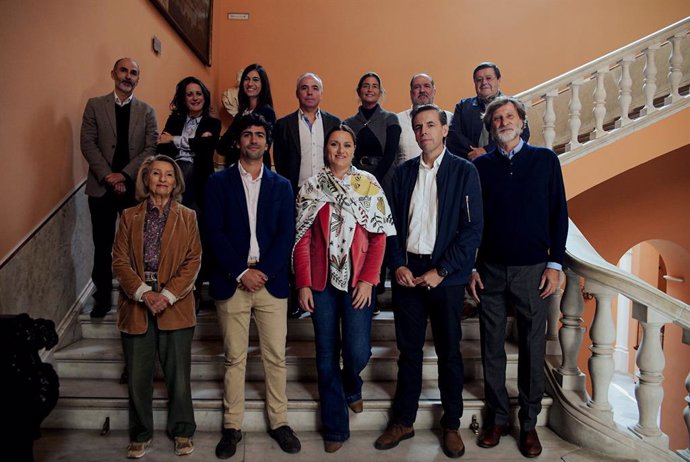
(55, 56)
(650, 203)
(532, 42)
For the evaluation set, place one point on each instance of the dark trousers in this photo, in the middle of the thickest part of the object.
(174, 348)
(104, 211)
(443, 306)
(189, 195)
(517, 286)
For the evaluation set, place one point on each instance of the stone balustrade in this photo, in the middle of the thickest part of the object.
(651, 307)
(590, 103)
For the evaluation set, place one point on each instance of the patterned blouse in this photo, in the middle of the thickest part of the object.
(154, 224)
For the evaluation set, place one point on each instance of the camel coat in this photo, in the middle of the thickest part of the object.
(180, 260)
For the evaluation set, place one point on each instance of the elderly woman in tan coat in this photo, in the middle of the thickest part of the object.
(156, 258)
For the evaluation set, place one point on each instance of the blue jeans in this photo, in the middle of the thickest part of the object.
(338, 326)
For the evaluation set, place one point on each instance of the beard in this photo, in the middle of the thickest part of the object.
(253, 155)
(507, 136)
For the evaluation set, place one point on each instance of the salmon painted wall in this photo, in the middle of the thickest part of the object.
(648, 203)
(55, 56)
(531, 41)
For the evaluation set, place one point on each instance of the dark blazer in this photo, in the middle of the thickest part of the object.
(203, 148)
(226, 146)
(460, 216)
(466, 128)
(227, 227)
(287, 152)
(99, 137)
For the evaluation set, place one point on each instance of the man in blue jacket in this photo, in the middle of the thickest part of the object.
(519, 260)
(467, 136)
(437, 208)
(250, 225)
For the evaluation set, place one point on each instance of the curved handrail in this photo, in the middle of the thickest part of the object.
(586, 70)
(582, 258)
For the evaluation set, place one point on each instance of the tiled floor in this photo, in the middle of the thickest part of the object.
(87, 446)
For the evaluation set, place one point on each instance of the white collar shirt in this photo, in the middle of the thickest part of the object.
(423, 221)
(121, 103)
(252, 187)
(310, 144)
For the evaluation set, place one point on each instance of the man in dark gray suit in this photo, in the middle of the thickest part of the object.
(299, 137)
(117, 133)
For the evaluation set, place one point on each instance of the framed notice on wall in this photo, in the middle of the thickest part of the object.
(192, 20)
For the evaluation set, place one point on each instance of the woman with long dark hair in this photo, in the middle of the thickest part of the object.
(254, 97)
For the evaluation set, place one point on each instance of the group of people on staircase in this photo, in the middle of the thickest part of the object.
(457, 207)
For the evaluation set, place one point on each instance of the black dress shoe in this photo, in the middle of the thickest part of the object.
(227, 446)
(99, 311)
(286, 438)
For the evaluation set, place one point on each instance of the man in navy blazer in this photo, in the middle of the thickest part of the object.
(250, 224)
(437, 208)
(118, 131)
(299, 137)
(467, 135)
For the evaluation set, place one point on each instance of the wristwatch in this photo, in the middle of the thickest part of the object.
(441, 271)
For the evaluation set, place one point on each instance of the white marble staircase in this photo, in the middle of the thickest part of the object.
(90, 392)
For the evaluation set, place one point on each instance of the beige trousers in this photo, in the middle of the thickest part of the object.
(270, 315)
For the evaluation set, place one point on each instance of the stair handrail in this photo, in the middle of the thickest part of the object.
(582, 258)
(653, 308)
(610, 59)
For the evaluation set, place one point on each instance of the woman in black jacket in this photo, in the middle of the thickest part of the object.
(255, 97)
(190, 136)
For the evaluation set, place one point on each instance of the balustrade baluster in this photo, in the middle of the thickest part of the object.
(603, 334)
(625, 91)
(552, 345)
(650, 362)
(574, 120)
(685, 453)
(570, 336)
(675, 72)
(549, 119)
(649, 80)
(599, 109)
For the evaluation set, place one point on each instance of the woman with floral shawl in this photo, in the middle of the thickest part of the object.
(343, 219)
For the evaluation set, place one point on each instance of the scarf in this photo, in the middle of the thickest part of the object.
(357, 199)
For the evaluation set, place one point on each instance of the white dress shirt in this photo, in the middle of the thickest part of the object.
(125, 102)
(311, 145)
(252, 187)
(424, 209)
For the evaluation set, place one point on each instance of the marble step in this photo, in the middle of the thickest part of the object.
(103, 359)
(383, 327)
(85, 404)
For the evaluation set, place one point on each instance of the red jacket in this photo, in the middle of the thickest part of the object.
(311, 254)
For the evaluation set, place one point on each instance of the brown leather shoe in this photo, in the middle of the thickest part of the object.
(332, 446)
(357, 406)
(529, 444)
(452, 444)
(394, 434)
(492, 436)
